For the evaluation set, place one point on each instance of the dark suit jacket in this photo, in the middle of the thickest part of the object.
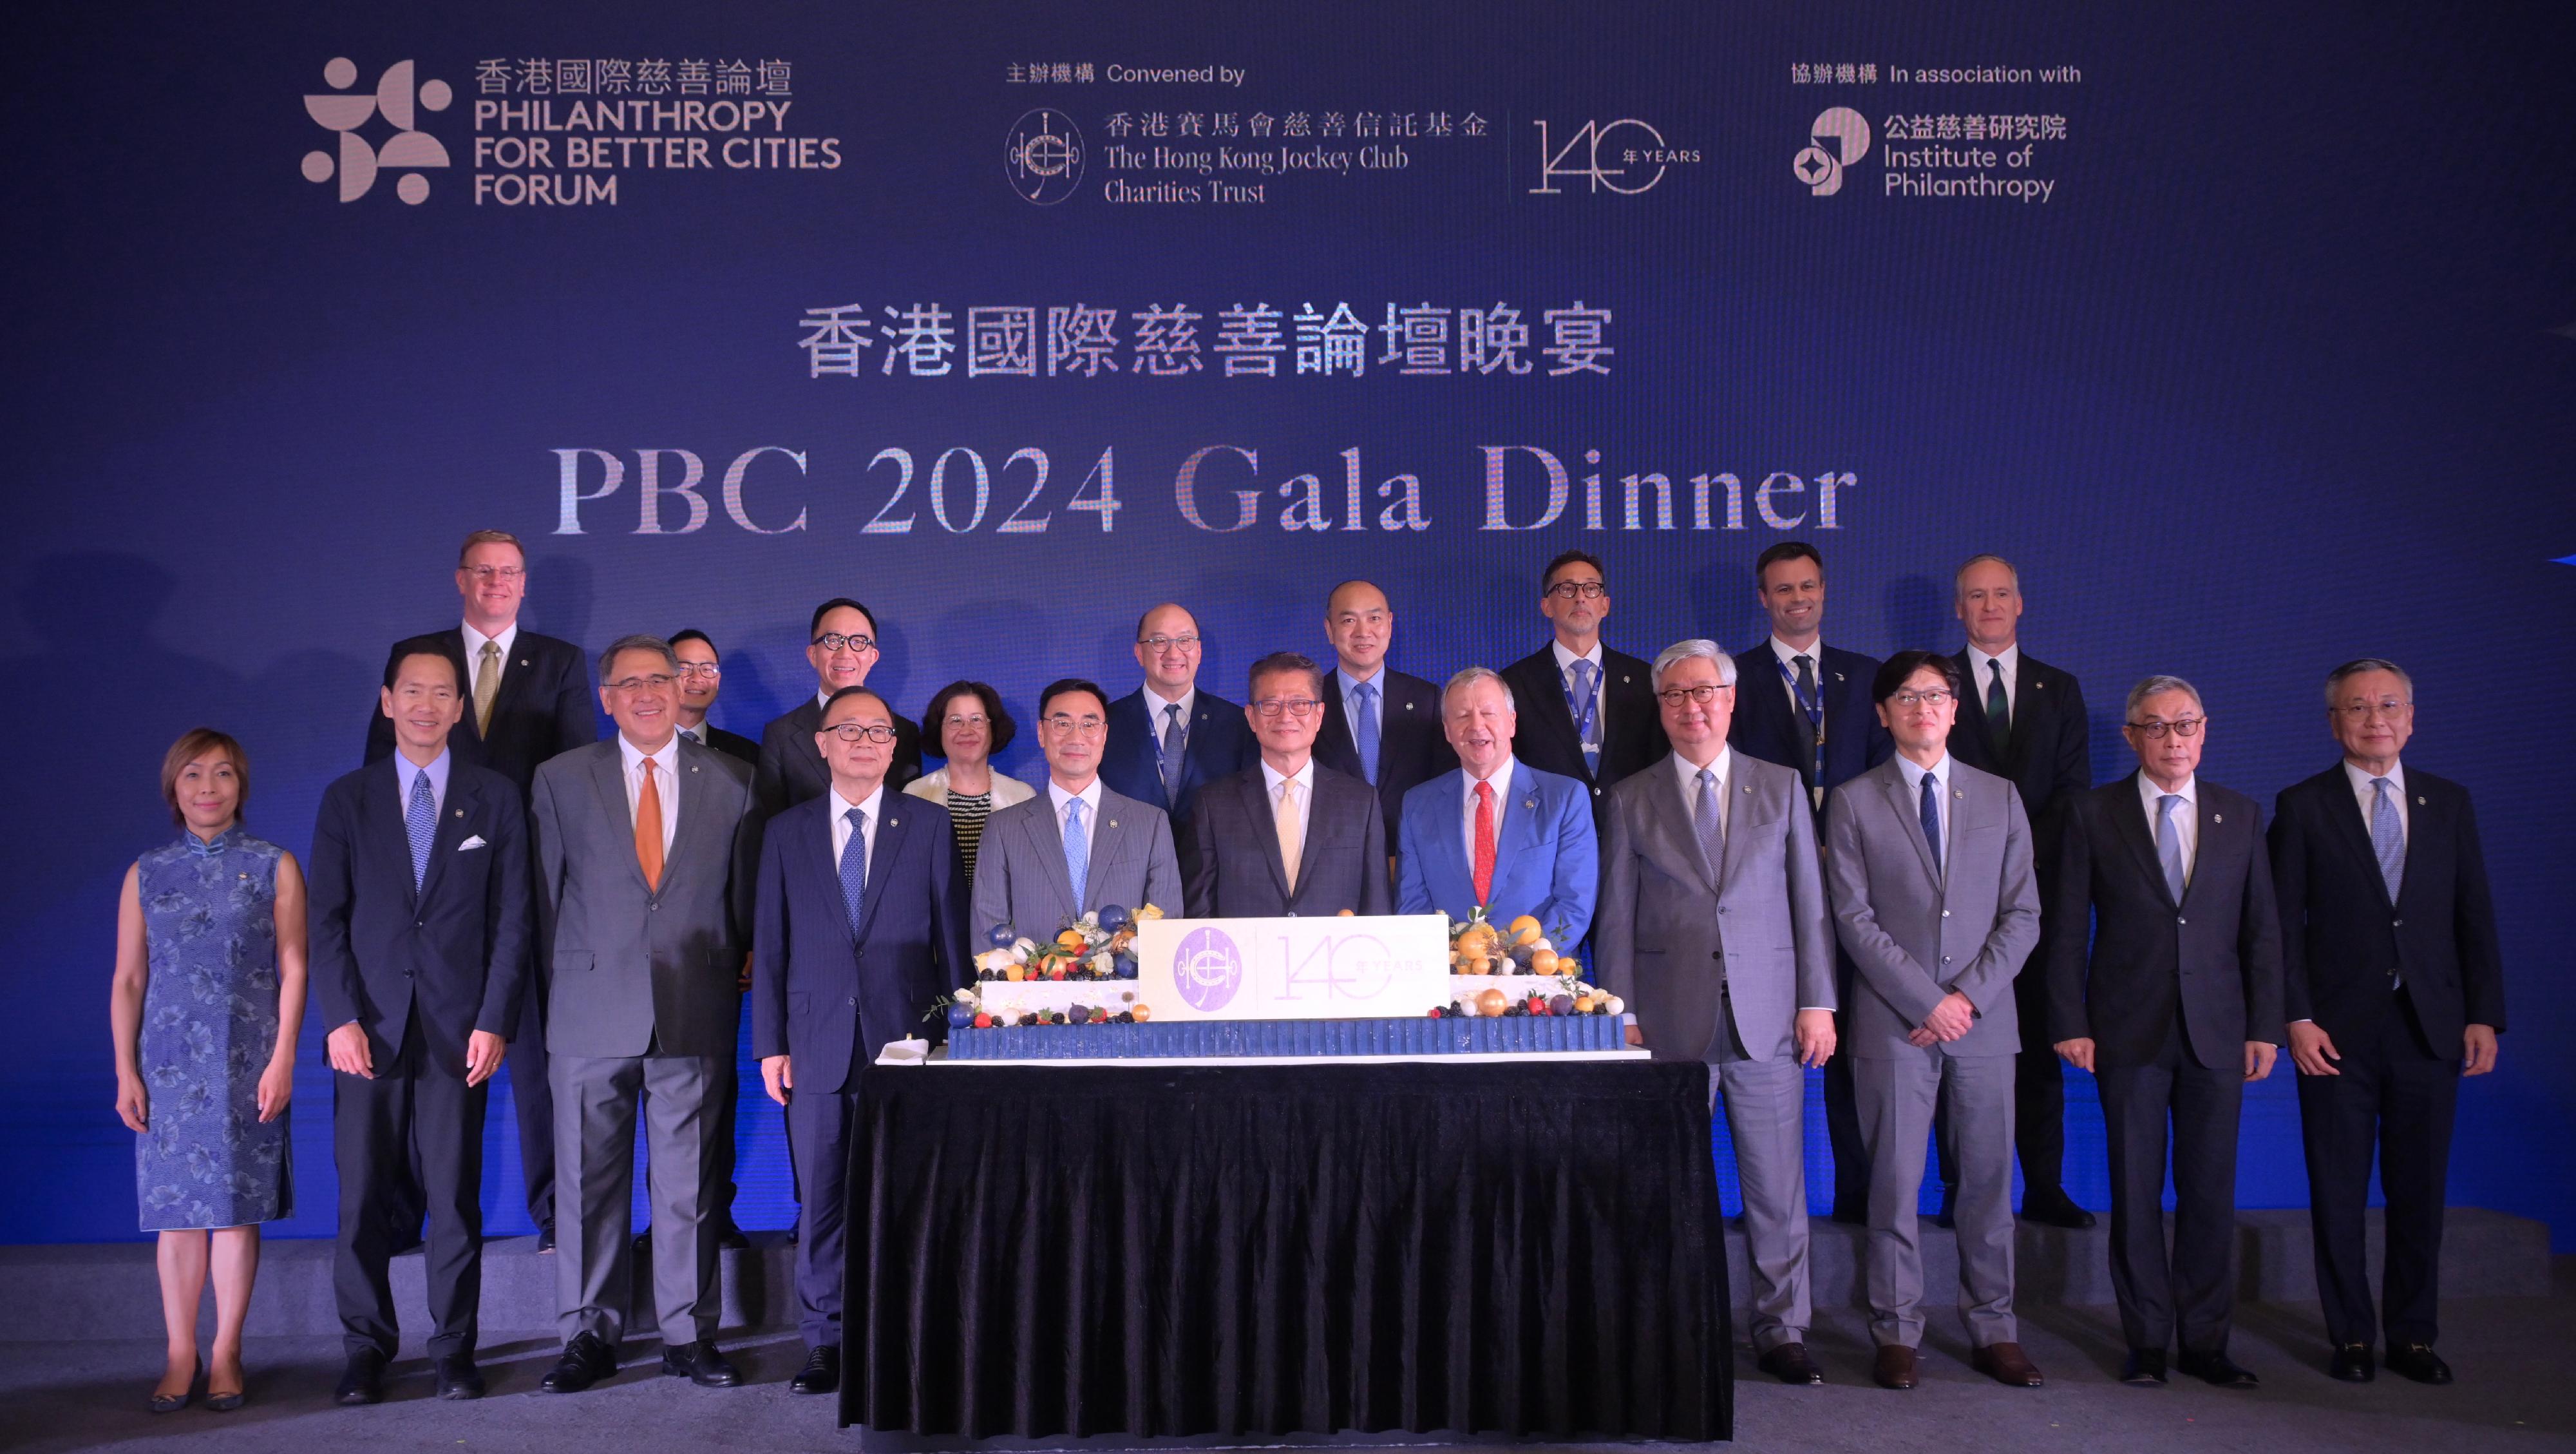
(1768, 727)
(2049, 752)
(1221, 744)
(1411, 748)
(545, 706)
(1632, 730)
(1233, 870)
(450, 956)
(831, 999)
(791, 770)
(2342, 938)
(2214, 958)
(734, 745)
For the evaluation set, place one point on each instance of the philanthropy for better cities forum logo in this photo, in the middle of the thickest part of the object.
(1839, 138)
(1044, 156)
(398, 101)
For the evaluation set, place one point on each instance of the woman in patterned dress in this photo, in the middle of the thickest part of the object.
(966, 725)
(208, 995)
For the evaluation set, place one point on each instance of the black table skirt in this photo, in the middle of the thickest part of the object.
(1512, 1250)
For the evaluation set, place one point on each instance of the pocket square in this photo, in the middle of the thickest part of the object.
(474, 842)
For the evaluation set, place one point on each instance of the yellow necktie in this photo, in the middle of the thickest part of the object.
(1292, 831)
(487, 685)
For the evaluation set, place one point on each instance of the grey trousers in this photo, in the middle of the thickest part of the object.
(1766, 1120)
(595, 1113)
(1898, 1097)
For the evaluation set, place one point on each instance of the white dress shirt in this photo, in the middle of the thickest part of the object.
(1980, 673)
(1940, 772)
(1304, 778)
(1502, 781)
(1687, 773)
(874, 805)
(405, 770)
(474, 656)
(666, 781)
(1346, 684)
(2186, 819)
(1090, 796)
(1565, 661)
(2361, 790)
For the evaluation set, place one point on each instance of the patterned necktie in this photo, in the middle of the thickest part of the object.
(1292, 831)
(1586, 701)
(1711, 828)
(1176, 748)
(487, 685)
(1812, 704)
(420, 818)
(854, 865)
(1484, 869)
(1077, 850)
(1364, 728)
(2387, 836)
(648, 826)
(2169, 843)
(1932, 818)
(1998, 706)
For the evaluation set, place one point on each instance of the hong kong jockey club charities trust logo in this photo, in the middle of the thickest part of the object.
(1208, 968)
(1043, 157)
(1839, 138)
(395, 99)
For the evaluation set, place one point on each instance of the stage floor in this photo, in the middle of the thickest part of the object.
(2513, 1395)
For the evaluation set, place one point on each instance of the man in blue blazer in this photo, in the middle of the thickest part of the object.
(860, 921)
(1497, 833)
(1169, 738)
(420, 916)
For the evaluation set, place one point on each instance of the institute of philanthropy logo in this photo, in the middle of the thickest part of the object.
(1043, 156)
(396, 100)
(1208, 968)
(1839, 138)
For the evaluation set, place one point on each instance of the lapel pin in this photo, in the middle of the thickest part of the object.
(2419, 802)
(894, 822)
(1113, 822)
(523, 661)
(460, 812)
(1958, 793)
(1530, 803)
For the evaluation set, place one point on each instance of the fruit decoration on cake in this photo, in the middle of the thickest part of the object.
(1516, 970)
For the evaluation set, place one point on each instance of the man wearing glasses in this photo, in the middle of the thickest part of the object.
(841, 643)
(1929, 863)
(2174, 1007)
(2395, 989)
(1079, 845)
(1288, 835)
(646, 847)
(1167, 738)
(527, 699)
(701, 678)
(1588, 712)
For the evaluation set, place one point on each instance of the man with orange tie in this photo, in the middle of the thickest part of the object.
(647, 847)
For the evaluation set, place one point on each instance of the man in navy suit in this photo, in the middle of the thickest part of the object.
(1380, 725)
(2395, 990)
(860, 923)
(1498, 834)
(1168, 739)
(420, 917)
(1806, 705)
(842, 648)
(701, 679)
(1288, 835)
(1589, 712)
(528, 699)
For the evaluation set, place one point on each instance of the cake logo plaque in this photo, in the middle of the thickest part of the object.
(1208, 968)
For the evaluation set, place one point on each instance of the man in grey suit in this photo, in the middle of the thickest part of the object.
(1289, 835)
(1079, 846)
(1713, 929)
(647, 845)
(1929, 862)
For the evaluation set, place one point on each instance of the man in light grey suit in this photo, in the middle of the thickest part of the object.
(1078, 846)
(646, 848)
(1713, 928)
(1929, 861)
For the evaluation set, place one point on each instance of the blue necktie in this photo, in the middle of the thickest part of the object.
(1175, 751)
(420, 817)
(1712, 833)
(1077, 850)
(854, 865)
(1932, 817)
(1364, 729)
(2169, 844)
(1586, 701)
(2387, 836)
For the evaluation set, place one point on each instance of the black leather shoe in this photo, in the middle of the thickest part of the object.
(821, 1373)
(2352, 1363)
(2144, 1368)
(1894, 1367)
(700, 1364)
(585, 1361)
(458, 1377)
(363, 1382)
(2054, 1208)
(546, 1236)
(2218, 1370)
(2419, 1362)
(1789, 1363)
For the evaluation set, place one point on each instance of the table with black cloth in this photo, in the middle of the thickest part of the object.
(1510, 1250)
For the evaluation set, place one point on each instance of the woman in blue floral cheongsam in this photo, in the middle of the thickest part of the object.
(209, 991)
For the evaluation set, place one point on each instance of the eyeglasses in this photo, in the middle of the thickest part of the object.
(2364, 711)
(835, 641)
(1572, 590)
(2179, 727)
(707, 669)
(1160, 644)
(1703, 694)
(656, 681)
(1087, 724)
(1286, 706)
(486, 574)
(1912, 700)
(852, 731)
